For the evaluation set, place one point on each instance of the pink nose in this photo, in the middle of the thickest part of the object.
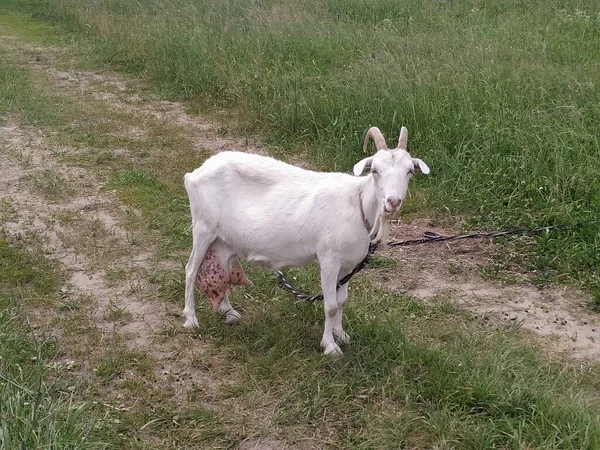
(394, 202)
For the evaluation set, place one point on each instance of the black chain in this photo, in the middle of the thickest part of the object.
(311, 298)
(428, 237)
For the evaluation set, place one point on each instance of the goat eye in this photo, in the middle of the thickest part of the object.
(411, 172)
(374, 172)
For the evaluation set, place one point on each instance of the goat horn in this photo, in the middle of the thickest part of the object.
(403, 139)
(377, 138)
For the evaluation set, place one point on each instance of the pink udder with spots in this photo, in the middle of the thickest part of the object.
(214, 277)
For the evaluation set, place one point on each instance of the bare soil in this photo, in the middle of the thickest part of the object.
(453, 270)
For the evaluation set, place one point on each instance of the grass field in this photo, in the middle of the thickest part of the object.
(500, 98)
(501, 101)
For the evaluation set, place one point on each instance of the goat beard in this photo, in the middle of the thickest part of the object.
(381, 227)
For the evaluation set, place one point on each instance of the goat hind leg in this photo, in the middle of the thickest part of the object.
(201, 241)
(237, 276)
(221, 303)
(231, 315)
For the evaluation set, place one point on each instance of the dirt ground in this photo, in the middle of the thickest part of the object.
(452, 269)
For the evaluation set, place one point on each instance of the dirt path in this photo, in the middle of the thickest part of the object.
(86, 233)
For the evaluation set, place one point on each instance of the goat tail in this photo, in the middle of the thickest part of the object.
(186, 181)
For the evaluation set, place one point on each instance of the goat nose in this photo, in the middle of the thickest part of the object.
(394, 202)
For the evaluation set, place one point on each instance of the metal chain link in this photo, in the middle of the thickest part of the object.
(428, 237)
(311, 298)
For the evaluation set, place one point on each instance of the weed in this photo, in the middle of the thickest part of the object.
(51, 184)
(119, 360)
(595, 303)
(117, 313)
(116, 274)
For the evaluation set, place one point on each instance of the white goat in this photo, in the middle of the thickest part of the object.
(279, 215)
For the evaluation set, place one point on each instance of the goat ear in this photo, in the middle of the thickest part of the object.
(363, 164)
(403, 139)
(420, 165)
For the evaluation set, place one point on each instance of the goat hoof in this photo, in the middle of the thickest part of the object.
(341, 337)
(232, 317)
(191, 323)
(333, 350)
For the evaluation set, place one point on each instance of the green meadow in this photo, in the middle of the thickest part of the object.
(501, 99)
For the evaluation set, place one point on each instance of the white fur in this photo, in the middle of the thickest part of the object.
(279, 215)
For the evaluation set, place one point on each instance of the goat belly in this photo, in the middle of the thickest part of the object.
(281, 262)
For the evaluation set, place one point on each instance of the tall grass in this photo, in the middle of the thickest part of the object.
(500, 98)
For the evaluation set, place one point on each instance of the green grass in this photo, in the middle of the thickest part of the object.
(24, 274)
(501, 99)
(37, 409)
(17, 94)
(161, 211)
(416, 375)
(120, 360)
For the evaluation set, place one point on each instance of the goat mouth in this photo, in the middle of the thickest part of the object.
(389, 212)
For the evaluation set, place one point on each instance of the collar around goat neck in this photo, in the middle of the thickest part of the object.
(362, 213)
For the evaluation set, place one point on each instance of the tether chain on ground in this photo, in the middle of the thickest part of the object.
(428, 237)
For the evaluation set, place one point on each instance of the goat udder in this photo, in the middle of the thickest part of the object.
(213, 280)
(237, 275)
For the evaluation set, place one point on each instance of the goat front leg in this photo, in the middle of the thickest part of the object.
(329, 276)
(338, 332)
(201, 241)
